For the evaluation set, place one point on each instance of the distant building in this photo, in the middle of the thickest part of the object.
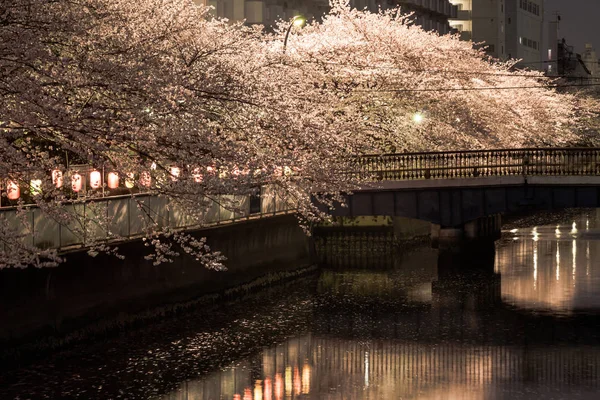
(509, 28)
(482, 21)
(432, 15)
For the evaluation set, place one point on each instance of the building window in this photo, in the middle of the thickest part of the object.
(520, 40)
(549, 54)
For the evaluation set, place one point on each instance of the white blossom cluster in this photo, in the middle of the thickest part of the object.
(189, 106)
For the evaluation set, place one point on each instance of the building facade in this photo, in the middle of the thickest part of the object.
(432, 15)
(508, 28)
(590, 59)
(482, 22)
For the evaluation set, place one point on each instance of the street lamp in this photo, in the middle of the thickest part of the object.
(418, 117)
(298, 21)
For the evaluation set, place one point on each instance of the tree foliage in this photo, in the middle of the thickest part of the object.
(129, 85)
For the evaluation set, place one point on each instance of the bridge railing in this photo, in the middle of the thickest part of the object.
(479, 163)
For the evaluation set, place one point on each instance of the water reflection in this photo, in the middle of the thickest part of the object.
(500, 322)
(551, 268)
(439, 326)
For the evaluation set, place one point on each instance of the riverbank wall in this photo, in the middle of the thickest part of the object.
(45, 309)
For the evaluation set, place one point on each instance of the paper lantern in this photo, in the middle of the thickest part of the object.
(35, 186)
(76, 182)
(95, 179)
(197, 175)
(113, 180)
(13, 192)
(145, 179)
(129, 183)
(175, 173)
(57, 178)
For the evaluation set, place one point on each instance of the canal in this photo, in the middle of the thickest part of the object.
(518, 320)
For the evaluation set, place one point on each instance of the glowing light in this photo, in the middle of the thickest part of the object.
(76, 182)
(297, 382)
(536, 235)
(557, 232)
(13, 192)
(145, 179)
(258, 392)
(306, 379)
(366, 368)
(57, 178)
(153, 166)
(574, 251)
(113, 180)
(535, 264)
(514, 231)
(574, 229)
(95, 179)
(587, 258)
(268, 389)
(35, 186)
(247, 394)
(129, 183)
(418, 117)
(288, 382)
(299, 21)
(175, 173)
(278, 387)
(197, 175)
(557, 261)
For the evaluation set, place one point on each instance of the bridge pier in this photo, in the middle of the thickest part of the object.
(484, 228)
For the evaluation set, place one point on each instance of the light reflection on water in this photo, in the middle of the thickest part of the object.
(552, 268)
(518, 321)
(450, 335)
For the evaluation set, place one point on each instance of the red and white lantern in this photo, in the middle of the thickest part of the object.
(113, 180)
(57, 178)
(13, 192)
(197, 175)
(175, 173)
(76, 182)
(145, 179)
(95, 179)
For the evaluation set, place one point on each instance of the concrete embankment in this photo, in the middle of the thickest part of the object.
(44, 309)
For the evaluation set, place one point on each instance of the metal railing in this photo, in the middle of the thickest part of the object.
(128, 217)
(479, 163)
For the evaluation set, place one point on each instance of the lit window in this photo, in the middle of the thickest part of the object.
(520, 40)
(549, 54)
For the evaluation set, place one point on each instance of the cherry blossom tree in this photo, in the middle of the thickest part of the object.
(190, 107)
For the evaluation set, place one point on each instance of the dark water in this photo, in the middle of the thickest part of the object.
(518, 321)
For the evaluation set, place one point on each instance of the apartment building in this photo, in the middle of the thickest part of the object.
(508, 28)
(524, 32)
(482, 21)
(430, 14)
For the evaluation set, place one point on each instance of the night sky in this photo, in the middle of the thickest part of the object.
(579, 21)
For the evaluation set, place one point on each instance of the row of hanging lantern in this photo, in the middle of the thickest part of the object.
(113, 179)
(77, 180)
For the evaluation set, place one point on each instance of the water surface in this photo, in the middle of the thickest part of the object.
(514, 321)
